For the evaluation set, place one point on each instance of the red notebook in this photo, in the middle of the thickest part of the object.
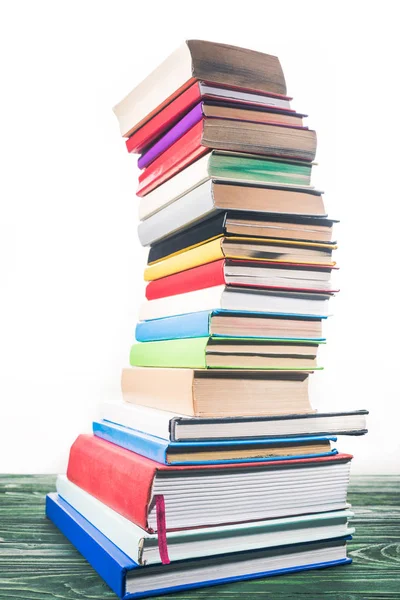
(214, 273)
(130, 484)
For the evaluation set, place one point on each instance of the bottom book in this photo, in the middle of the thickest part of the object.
(129, 580)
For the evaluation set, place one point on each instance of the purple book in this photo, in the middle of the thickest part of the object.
(188, 121)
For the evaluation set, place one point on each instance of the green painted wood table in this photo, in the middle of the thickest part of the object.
(38, 563)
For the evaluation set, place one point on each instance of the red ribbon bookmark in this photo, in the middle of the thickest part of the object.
(161, 529)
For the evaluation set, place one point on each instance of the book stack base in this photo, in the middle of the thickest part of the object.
(214, 466)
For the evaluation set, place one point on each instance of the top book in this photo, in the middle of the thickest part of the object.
(198, 60)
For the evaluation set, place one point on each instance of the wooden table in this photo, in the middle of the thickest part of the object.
(38, 563)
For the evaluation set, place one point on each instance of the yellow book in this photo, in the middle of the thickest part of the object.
(243, 248)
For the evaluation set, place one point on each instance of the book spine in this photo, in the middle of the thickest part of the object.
(208, 299)
(173, 135)
(197, 278)
(105, 558)
(182, 326)
(173, 160)
(132, 439)
(195, 257)
(99, 467)
(184, 353)
(203, 232)
(185, 211)
(165, 119)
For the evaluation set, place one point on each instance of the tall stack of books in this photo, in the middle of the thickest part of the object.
(214, 467)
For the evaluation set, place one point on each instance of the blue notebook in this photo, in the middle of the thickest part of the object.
(162, 450)
(128, 580)
(196, 325)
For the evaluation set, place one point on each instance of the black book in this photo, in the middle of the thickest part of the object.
(242, 224)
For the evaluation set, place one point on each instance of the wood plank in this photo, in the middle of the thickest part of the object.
(38, 563)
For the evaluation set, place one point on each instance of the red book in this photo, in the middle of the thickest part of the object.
(178, 156)
(217, 273)
(175, 110)
(165, 119)
(294, 143)
(129, 483)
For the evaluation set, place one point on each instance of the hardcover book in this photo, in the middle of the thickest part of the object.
(238, 273)
(219, 323)
(225, 353)
(142, 547)
(220, 64)
(244, 225)
(210, 198)
(212, 392)
(254, 138)
(160, 497)
(216, 452)
(203, 110)
(176, 427)
(130, 580)
(218, 97)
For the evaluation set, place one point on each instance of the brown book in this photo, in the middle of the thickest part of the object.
(221, 393)
(198, 60)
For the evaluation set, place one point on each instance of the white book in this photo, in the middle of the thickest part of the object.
(182, 183)
(223, 65)
(151, 420)
(199, 172)
(235, 299)
(212, 196)
(142, 547)
(177, 427)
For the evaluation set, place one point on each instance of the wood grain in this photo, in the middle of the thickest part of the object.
(38, 563)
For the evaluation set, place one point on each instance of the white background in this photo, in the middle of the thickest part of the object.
(71, 266)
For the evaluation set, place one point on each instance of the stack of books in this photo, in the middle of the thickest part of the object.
(214, 467)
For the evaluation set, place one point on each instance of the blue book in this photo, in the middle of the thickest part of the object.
(200, 324)
(129, 580)
(192, 453)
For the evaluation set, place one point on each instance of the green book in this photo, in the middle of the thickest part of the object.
(227, 353)
(261, 170)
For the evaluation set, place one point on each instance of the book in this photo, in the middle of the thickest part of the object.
(210, 393)
(217, 452)
(142, 547)
(211, 197)
(160, 497)
(267, 253)
(174, 427)
(238, 299)
(229, 324)
(233, 223)
(220, 134)
(216, 96)
(220, 64)
(129, 580)
(204, 111)
(226, 353)
(240, 273)
(229, 167)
